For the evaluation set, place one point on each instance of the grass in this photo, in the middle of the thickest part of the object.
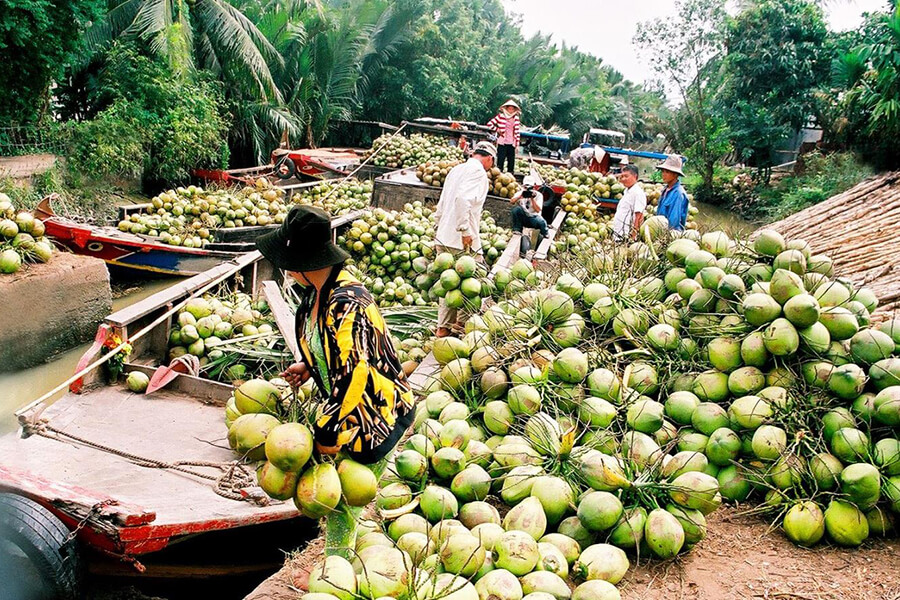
(823, 176)
(96, 201)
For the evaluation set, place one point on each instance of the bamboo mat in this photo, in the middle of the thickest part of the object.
(860, 230)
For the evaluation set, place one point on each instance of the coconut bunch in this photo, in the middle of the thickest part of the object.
(787, 369)
(189, 216)
(580, 234)
(232, 334)
(401, 151)
(494, 238)
(337, 197)
(502, 184)
(384, 244)
(21, 238)
(434, 173)
(271, 425)
(461, 281)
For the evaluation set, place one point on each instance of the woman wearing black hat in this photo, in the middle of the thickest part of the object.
(345, 344)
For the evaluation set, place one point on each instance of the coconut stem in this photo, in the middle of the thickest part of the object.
(340, 525)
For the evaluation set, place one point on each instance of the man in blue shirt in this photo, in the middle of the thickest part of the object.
(673, 202)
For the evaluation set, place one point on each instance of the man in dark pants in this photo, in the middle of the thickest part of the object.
(527, 213)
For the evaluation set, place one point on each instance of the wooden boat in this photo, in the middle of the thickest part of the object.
(130, 251)
(129, 474)
(96, 460)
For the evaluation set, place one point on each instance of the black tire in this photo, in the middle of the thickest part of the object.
(37, 533)
(290, 169)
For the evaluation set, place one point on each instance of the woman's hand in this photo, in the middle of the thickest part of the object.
(296, 374)
(330, 450)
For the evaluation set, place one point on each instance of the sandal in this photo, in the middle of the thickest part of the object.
(442, 332)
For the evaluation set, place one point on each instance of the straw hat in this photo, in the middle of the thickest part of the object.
(672, 163)
(512, 103)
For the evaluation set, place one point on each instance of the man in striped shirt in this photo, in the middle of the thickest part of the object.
(506, 126)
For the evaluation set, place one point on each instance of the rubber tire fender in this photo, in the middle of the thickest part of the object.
(45, 540)
(285, 161)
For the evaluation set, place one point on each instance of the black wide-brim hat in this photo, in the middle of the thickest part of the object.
(303, 242)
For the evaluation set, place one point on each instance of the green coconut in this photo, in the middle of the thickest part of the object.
(785, 285)
(724, 353)
(847, 381)
(384, 572)
(602, 561)
(438, 503)
(555, 496)
(802, 310)
(516, 552)
(447, 462)
(599, 511)
(499, 584)
(697, 260)
(832, 293)
(318, 491)
(885, 373)
(846, 524)
(393, 496)
(840, 322)
(769, 442)
(335, 576)
(693, 489)
(257, 396)
(753, 350)
(596, 589)
(815, 339)
(733, 483)
(570, 365)
(861, 482)
(723, 447)
(887, 406)
(680, 406)
(790, 260)
(708, 417)
(247, 434)
(850, 444)
(663, 533)
(711, 386)
(804, 523)
(781, 338)
(731, 287)
(759, 309)
(645, 415)
(825, 469)
(887, 456)
(472, 483)
(358, 484)
(769, 243)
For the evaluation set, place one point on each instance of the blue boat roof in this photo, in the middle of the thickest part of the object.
(639, 153)
(555, 138)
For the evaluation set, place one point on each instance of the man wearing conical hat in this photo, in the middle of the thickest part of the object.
(506, 127)
(673, 202)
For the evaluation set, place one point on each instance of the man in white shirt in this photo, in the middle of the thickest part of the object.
(630, 211)
(458, 214)
(527, 213)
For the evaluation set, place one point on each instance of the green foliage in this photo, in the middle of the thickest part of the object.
(37, 38)
(867, 78)
(155, 125)
(776, 57)
(687, 51)
(823, 176)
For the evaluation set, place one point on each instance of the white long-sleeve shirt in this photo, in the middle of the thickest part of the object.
(458, 211)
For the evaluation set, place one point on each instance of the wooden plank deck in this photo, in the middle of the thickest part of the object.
(165, 426)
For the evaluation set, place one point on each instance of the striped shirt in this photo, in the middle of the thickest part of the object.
(501, 123)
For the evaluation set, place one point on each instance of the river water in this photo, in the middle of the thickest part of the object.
(18, 388)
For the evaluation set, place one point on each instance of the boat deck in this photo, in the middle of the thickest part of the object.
(151, 505)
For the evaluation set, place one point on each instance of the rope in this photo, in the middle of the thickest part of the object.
(234, 483)
(364, 162)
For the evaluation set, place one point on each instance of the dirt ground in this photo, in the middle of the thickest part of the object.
(739, 559)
